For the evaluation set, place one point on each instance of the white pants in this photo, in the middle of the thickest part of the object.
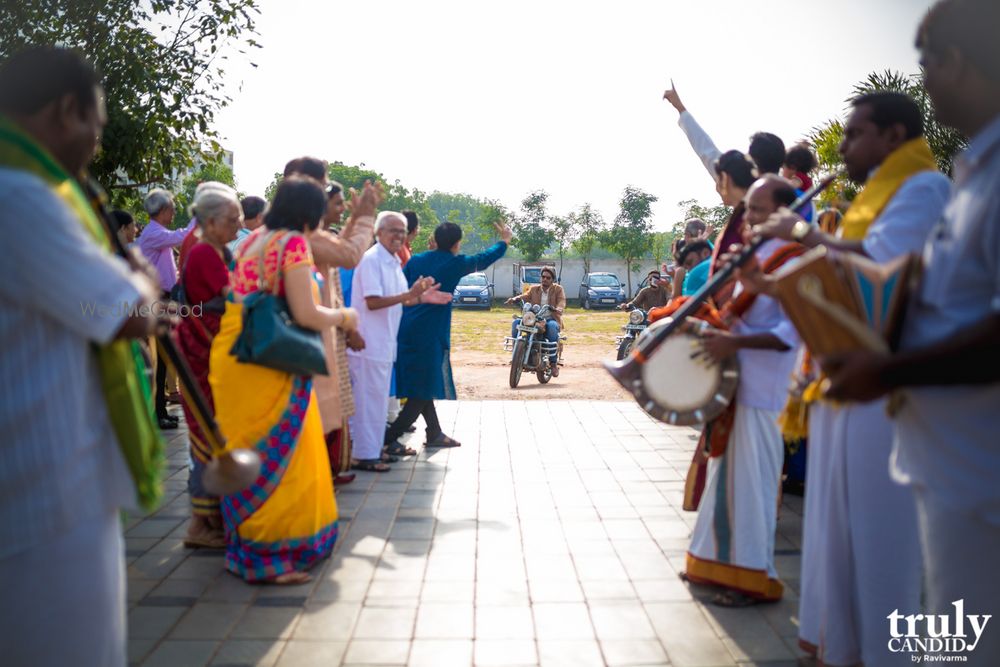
(738, 513)
(370, 380)
(960, 554)
(814, 520)
(63, 602)
(871, 563)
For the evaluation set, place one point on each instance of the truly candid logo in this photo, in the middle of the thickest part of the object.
(936, 637)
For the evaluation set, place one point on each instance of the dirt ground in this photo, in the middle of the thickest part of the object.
(481, 367)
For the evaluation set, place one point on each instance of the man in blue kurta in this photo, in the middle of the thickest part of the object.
(423, 363)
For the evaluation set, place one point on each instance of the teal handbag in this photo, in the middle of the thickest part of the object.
(270, 337)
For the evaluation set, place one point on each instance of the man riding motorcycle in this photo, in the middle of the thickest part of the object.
(551, 294)
(655, 295)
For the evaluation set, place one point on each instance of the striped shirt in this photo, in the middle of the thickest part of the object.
(59, 294)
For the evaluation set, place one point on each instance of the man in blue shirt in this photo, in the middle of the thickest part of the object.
(696, 260)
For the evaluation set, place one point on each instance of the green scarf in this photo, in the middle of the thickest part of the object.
(120, 362)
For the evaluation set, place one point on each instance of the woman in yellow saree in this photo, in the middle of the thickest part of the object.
(287, 521)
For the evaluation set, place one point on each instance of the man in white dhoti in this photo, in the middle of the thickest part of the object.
(380, 292)
(861, 555)
(948, 365)
(733, 541)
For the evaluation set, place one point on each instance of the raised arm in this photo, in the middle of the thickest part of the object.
(478, 262)
(157, 238)
(703, 146)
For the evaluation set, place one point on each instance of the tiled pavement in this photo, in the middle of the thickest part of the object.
(553, 536)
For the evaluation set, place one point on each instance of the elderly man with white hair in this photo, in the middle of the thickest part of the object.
(380, 292)
(157, 243)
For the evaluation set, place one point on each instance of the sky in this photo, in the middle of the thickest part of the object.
(496, 99)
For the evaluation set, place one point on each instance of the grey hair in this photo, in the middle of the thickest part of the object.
(211, 200)
(385, 215)
(157, 200)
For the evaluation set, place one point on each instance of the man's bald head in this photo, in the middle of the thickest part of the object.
(767, 194)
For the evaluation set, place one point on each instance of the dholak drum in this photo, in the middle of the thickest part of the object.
(841, 302)
(679, 384)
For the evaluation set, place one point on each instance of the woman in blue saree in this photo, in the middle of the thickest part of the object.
(423, 360)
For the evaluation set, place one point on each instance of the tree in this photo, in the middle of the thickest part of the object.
(563, 231)
(397, 196)
(164, 78)
(945, 142)
(531, 236)
(630, 235)
(211, 171)
(589, 228)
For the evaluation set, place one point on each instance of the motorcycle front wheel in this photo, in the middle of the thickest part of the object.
(543, 373)
(625, 347)
(516, 363)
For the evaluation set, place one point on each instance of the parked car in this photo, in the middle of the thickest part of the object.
(473, 291)
(601, 290)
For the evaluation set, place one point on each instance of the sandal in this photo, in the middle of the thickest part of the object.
(207, 541)
(370, 465)
(733, 599)
(442, 440)
(396, 448)
(343, 478)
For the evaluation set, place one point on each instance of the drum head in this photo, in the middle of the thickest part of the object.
(683, 387)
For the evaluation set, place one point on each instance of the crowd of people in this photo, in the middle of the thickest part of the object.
(900, 518)
(901, 521)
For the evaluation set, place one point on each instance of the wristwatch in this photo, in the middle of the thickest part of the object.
(800, 230)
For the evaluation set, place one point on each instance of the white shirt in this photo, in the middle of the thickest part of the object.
(59, 459)
(378, 274)
(545, 297)
(947, 436)
(764, 374)
(703, 146)
(905, 222)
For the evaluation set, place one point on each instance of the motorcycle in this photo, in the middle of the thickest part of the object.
(529, 349)
(637, 323)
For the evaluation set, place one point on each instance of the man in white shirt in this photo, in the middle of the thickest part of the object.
(948, 367)
(733, 541)
(379, 293)
(861, 552)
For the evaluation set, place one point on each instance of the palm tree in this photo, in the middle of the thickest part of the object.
(945, 142)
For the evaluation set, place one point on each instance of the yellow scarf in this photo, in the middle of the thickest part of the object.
(912, 157)
(122, 368)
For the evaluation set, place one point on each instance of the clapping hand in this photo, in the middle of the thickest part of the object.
(435, 296)
(421, 285)
(366, 202)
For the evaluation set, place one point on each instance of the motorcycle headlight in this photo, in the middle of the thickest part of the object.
(528, 319)
(636, 317)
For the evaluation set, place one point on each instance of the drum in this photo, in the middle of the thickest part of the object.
(842, 302)
(679, 384)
